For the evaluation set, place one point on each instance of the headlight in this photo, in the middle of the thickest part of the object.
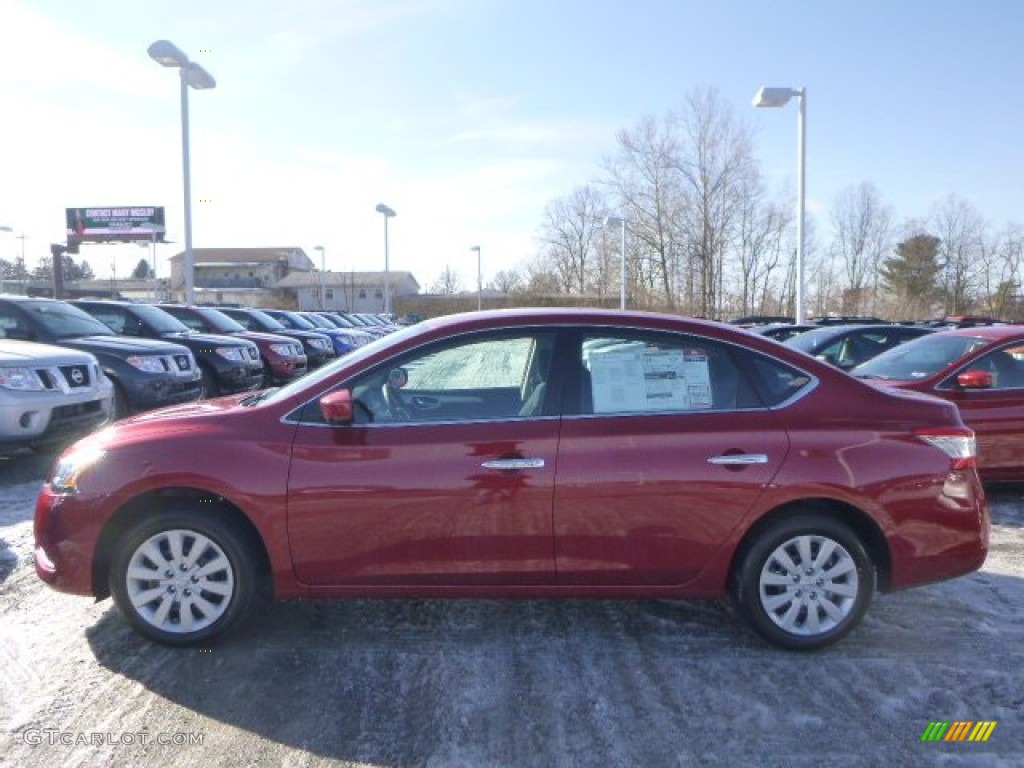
(70, 467)
(285, 350)
(22, 379)
(321, 343)
(231, 353)
(149, 364)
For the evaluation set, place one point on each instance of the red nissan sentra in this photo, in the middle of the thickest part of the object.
(527, 453)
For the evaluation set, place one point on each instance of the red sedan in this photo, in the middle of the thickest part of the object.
(979, 369)
(529, 453)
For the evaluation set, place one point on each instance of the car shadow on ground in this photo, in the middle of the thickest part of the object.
(533, 682)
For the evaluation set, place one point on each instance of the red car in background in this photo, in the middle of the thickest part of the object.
(979, 369)
(529, 453)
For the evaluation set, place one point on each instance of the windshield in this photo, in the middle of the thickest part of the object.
(298, 321)
(808, 341)
(158, 320)
(269, 323)
(920, 358)
(219, 320)
(65, 321)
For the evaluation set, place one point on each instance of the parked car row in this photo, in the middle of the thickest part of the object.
(110, 359)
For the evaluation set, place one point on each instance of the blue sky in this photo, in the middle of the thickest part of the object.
(469, 116)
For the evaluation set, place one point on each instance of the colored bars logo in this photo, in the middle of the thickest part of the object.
(958, 730)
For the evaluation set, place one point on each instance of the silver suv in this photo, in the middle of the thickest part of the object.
(49, 395)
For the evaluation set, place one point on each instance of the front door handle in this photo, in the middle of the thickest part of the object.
(738, 459)
(513, 464)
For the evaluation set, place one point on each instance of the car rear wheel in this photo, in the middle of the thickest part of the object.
(805, 582)
(182, 578)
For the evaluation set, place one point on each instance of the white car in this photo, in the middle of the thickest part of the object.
(49, 395)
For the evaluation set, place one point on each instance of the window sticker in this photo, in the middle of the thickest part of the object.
(645, 380)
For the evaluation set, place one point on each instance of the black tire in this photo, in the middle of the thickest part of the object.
(804, 582)
(122, 407)
(203, 574)
(268, 376)
(209, 385)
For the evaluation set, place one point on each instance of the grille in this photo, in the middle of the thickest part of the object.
(47, 378)
(77, 376)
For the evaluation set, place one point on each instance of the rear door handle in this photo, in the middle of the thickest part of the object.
(513, 464)
(738, 459)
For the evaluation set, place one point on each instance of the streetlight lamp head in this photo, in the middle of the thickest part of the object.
(388, 212)
(167, 53)
(613, 221)
(197, 77)
(774, 97)
(475, 248)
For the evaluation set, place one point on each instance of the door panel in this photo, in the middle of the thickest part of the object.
(414, 504)
(650, 499)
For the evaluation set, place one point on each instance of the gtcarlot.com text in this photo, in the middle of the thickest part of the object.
(55, 737)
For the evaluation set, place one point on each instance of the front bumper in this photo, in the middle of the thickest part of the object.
(35, 418)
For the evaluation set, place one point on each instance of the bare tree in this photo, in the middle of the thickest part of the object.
(641, 175)
(862, 226)
(1002, 257)
(568, 235)
(961, 231)
(447, 283)
(717, 170)
(759, 232)
(506, 281)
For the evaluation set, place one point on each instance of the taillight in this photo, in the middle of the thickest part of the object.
(956, 442)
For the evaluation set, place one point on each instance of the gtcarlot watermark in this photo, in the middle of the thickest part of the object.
(55, 737)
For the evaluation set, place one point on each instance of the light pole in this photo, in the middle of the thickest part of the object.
(323, 292)
(780, 97)
(387, 213)
(192, 76)
(479, 280)
(610, 221)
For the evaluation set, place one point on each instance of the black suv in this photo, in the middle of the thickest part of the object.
(228, 364)
(147, 373)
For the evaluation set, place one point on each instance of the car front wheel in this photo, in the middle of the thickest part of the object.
(181, 578)
(805, 582)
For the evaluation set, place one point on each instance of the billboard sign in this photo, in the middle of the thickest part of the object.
(105, 225)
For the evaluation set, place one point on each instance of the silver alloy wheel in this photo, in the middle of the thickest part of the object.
(808, 585)
(179, 581)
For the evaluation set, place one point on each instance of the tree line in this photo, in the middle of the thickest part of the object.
(706, 237)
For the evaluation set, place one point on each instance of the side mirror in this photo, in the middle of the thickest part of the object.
(337, 406)
(975, 380)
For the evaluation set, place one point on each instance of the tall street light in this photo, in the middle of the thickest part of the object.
(387, 213)
(780, 97)
(479, 280)
(611, 221)
(192, 76)
(323, 262)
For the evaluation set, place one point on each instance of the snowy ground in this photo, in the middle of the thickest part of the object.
(495, 683)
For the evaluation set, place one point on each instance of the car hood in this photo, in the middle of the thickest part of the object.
(205, 339)
(259, 337)
(119, 345)
(32, 354)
